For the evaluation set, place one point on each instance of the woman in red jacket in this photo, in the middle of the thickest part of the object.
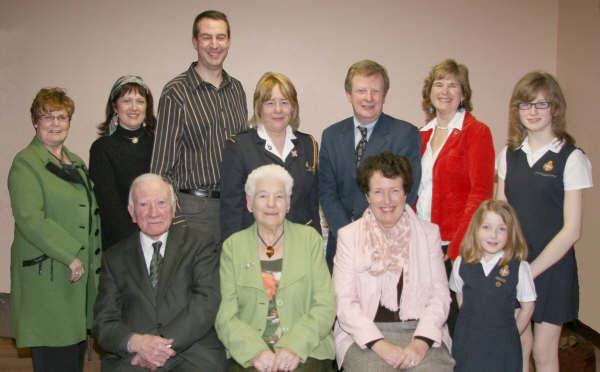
(457, 159)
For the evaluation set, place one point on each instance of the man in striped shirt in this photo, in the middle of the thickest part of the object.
(198, 110)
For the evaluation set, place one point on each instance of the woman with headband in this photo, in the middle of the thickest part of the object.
(122, 153)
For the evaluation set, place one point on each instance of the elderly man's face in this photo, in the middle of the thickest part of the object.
(153, 208)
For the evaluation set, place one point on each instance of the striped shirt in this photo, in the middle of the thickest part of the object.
(194, 121)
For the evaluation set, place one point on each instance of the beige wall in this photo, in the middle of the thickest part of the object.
(85, 46)
(578, 69)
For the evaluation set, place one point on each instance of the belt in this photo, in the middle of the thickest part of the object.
(203, 193)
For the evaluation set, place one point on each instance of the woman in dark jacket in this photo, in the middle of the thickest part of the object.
(272, 140)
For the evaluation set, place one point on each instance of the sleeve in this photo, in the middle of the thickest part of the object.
(525, 286)
(480, 167)
(167, 137)
(414, 156)
(578, 171)
(115, 218)
(198, 316)
(240, 339)
(351, 317)
(308, 331)
(233, 197)
(434, 315)
(111, 332)
(456, 283)
(329, 194)
(28, 207)
(501, 164)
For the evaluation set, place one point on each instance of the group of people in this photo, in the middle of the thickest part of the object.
(194, 240)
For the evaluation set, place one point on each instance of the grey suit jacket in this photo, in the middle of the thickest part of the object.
(340, 197)
(183, 306)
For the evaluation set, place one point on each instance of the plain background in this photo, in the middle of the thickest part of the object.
(84, 46)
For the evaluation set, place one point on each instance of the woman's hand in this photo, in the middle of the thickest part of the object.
(264, 361)
(285, 360)
(413, 354)
(76, 270)
(389, 352)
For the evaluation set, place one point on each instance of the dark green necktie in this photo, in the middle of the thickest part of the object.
(155, 263)
(362, 145)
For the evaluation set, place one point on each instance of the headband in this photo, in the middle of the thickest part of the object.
(126, 80)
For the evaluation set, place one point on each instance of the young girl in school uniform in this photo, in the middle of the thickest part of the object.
(489, 277)
(542, 175)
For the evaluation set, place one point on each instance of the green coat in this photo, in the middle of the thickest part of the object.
(57, 218)
(305, 297)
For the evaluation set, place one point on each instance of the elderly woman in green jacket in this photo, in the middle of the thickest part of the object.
(55, 255)
(278, 303)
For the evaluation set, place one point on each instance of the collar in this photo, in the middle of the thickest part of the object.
(369, 126)
(269, 146)
(147, 241)
(262, 133)
(555, 146)
(455, 123)
(197, 80)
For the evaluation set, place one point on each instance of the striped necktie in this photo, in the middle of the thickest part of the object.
(155, 263)
(362, 145)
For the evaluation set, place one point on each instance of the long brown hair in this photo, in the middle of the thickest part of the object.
(515, 248)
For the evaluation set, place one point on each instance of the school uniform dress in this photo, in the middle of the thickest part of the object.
(535, 185)
(486, 337)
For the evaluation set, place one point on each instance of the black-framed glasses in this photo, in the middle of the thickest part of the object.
(542, 105)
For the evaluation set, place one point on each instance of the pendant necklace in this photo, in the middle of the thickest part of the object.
(270, 248)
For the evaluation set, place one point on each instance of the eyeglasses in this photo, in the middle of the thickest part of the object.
(542, 105)
(60, 118)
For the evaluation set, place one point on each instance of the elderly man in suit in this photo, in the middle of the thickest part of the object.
(159, 291)
(346, 143)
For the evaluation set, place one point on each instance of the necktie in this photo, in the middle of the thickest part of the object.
(155, 263)
(362, 145)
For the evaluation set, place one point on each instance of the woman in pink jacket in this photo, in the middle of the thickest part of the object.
(392, 290)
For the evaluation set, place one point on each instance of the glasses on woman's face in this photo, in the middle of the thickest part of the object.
(542, 105)
(60, 118)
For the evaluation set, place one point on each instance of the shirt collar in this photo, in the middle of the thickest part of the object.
(262, 133)
(455, 123)
(369, 126)
(555, 146)
(146, 240)
(197, 80)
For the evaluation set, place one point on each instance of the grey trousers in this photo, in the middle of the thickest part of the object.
(200, 212)
(437, 359)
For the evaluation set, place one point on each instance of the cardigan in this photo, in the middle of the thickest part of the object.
(305, 297)
(463, 177)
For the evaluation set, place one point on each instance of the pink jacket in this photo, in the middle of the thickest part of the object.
(425, 294)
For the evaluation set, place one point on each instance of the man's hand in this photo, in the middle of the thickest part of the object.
(151, 351)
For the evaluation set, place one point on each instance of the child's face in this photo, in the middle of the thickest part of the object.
(537, 120)
(492, 235)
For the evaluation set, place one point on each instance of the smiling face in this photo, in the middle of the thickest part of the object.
(153, 207)
(212, 43)
(446, 95)
(53, 128)
(131, 109)
(492, 235)
(276, 112)
(537, 120)
(386, 198)
(270, 203)
(367, 97)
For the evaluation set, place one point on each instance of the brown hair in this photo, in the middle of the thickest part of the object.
(515, 248)
(366, 67)
(263, 91)
(525, 91)
(444, 69)
(390, 165)
(51, 99)
(212, 14)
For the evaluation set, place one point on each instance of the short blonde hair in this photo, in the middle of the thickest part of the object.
(444, 69)
(264, 90)
(269, 171)
(516, 247)
(366, 67)
(525, 91)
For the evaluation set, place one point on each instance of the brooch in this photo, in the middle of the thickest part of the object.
(294, 153)
(548, 166)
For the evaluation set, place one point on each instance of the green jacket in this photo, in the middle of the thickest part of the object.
(58, 218)
(305, 297)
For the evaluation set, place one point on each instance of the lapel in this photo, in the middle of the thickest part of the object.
(380, 137)
(173, 256)
(250, 273)
(139, 269)
(453, 137)
(292, 268)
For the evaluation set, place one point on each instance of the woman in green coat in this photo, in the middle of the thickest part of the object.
(55, 255)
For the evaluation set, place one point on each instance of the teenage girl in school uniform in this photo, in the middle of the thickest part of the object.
(490, 275)
(542, 175)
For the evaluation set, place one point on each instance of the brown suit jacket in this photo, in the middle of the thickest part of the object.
(183, 306)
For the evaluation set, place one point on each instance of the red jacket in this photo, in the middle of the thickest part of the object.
(463, 177)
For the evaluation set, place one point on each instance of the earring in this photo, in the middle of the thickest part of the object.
(431, 109)
(461, 107)
(34, 126)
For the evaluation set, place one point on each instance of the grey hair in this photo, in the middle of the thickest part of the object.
(269, 171)
(148, 177)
